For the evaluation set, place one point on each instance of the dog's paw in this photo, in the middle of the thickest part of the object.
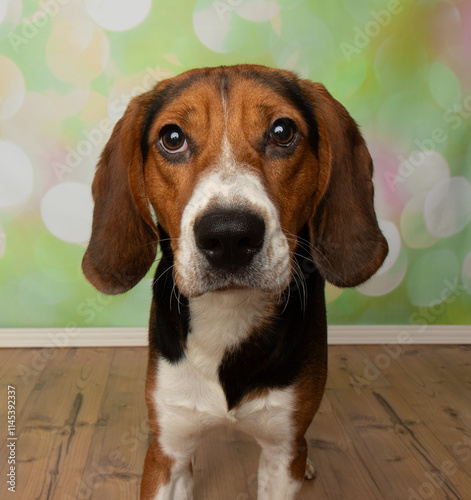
(310, 470)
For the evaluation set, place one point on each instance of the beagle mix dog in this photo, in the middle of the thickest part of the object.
(257, 185)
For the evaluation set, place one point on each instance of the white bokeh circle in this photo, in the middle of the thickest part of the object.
(212, 24)
(420, 172)
(413, 229)
(127, 87)
(3, 11)
(16, 175)
(77, 53)
(36, 127)
(10, 16)
(118, 15)
(447, 208)
(66, 210)
(392, 235)
(294, 59)
(383, 283)
(257, 11)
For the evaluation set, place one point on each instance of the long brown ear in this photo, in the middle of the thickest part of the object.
(124, 238)
(348, 244)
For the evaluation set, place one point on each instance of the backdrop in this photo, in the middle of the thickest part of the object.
(68, 69)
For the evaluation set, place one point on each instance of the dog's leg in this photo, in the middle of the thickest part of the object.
(166, 477)
(167, 471)
(282, 469)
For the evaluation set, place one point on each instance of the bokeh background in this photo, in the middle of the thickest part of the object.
(68, 69)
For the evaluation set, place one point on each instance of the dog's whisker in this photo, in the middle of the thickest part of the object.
(162, 274)
(179, 301)
(161, 240)
(287, 300)
(174, 294)
(308, 246)
(300, 281)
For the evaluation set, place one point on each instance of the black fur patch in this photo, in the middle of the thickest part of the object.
(274, 356)
(170, 317)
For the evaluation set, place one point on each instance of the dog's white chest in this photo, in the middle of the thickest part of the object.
(189, 397)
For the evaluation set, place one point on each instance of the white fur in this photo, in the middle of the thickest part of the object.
(180, 486)
(230, 185)
(274, 481)
(190, 399)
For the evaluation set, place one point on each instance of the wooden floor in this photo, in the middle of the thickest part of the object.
(395, 423)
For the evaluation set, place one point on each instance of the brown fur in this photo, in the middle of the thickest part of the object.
(349, 246)
(335, 194)
(332, 193)
(157, 465)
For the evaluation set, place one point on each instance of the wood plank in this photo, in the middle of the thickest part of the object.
(455, 358)
(349, 367)
(333, 452)
(116, 456)
(34, 449)
(446, 475)
(454, 362)
(57, 423)
(388, 461)
(21, 368)
(409, 374)
(226, 461)
(405, 432)
(434, 392)
(93, 365)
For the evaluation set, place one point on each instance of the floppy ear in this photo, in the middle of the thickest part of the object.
(124, 238)
(348, 244)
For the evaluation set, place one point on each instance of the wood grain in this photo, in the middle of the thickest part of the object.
(393, 424)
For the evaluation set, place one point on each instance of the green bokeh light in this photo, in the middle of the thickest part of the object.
(401, 84)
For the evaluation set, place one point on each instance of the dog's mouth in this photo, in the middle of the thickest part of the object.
(197, 280)
(232, 287)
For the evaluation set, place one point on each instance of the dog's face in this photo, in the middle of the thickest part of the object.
(230, 173)
(234, 161)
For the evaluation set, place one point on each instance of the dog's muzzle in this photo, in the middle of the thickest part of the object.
(229, 239)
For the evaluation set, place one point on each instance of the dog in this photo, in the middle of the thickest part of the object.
(257, 185)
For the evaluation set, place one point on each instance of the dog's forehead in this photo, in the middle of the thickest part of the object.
(234, 91)
(219, 90)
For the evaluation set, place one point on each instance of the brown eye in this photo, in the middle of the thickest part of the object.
(282, 132)
(172, 139)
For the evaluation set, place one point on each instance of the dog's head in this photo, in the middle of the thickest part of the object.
(234, 161)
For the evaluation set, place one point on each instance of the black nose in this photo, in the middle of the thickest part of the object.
(229, 239)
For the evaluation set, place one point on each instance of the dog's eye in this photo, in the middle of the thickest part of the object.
(172, 139)
(282, 132)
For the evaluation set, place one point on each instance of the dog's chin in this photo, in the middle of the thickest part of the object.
(228, 285)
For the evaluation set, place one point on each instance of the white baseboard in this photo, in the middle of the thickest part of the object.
(400, 334)
(76, 337)
(357, 334)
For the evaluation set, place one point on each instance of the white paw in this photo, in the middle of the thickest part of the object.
(310, 470)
